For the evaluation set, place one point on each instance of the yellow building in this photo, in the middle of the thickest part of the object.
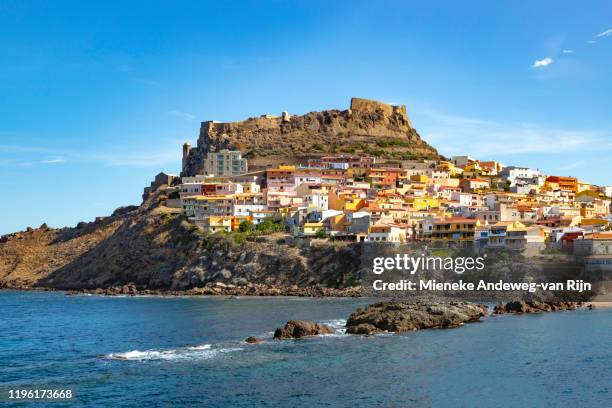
(337, 223)
(423, 203)
(419, 178)
(457, 229)
(218, 223)
(450, 167)
(472, 170)
(551, 185)
(338, 199)
(355, 204)
(311, 228)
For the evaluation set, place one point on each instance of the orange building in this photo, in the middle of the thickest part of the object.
(384, 176)
(564, 183)
(454, 229)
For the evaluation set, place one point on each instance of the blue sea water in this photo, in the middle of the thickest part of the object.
(189, 352)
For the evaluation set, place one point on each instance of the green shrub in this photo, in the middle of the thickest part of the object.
(167, 217)
(317, 146)
(269, 225)
(321, 234)
(240, 237)
(246, 226)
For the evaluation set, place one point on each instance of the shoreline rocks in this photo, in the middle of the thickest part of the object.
(297, 329)
(221, 289)
(397, 316)
(534, 306)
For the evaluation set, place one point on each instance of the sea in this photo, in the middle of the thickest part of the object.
(190, 352)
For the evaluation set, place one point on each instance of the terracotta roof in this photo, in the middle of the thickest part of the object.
(599, 235)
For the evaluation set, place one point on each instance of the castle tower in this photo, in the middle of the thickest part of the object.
(286, 117)
(186, 151)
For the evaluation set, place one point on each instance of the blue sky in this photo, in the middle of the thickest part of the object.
(96, 98)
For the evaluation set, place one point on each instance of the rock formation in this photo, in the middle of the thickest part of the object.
(520, 307)
(297, 329)
(399, 317)
(30, 256)
(368, 127)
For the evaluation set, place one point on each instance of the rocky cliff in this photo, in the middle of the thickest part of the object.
(151, 248)
(368, 127)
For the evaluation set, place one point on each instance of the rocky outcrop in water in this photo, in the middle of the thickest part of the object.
(520, 307)
(297, 329)
(399, 317)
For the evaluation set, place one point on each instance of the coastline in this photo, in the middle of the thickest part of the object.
(260, 291)
(216, 289)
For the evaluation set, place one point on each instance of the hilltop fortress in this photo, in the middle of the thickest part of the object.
(368, 127)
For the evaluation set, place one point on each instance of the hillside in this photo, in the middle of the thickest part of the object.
(368, 127)
(151, 248)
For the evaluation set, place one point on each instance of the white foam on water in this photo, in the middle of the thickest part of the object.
(202, 347)
(339, 326)
(201, 352)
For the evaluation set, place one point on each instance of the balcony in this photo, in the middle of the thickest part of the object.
(498, 233)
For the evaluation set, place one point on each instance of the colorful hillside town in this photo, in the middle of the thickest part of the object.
(462, 201)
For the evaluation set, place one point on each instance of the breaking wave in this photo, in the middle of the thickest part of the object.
(337, 324)
(204, 351)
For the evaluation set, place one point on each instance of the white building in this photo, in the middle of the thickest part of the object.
(462, 161)
(386, 233)
(245, 205)
(522, 175)
(317, 199)
(467, 199)
(190, 189)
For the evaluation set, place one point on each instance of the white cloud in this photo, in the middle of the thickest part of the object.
(567, 51)
(55, 160)
(179, 114)
(542, 63)
(591, 42)
(606, 33)
(456, 135)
